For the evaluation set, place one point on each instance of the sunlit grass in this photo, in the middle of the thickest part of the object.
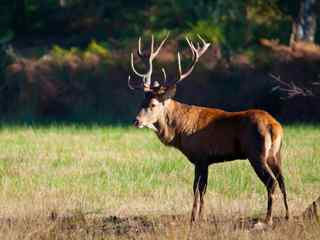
(121, 169)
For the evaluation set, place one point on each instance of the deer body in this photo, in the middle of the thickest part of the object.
(208, 135)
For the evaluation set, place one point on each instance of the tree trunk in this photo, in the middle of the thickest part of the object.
(304, 26)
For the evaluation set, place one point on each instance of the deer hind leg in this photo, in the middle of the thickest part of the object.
(199, 189)
(275, 165)
(265, 175)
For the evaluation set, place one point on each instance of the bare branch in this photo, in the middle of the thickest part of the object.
(290, 88)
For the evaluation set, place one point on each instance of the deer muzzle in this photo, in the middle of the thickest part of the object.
(137, 124)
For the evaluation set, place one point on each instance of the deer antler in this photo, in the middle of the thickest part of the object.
(147, 58)
(197, 52)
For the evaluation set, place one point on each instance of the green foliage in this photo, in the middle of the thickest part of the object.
(98, 48)
(60, 54)
(234, 24)
(94, 48)
(208, 30)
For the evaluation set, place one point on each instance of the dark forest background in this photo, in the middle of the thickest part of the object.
(69, 59)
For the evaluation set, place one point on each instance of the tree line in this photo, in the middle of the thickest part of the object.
(297, 17)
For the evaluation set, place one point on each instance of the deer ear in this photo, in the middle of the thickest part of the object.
(169, 92)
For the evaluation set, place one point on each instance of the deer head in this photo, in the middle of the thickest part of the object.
(158, 93)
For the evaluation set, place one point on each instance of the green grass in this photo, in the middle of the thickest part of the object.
(121, 170)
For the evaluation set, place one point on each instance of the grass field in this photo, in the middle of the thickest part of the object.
(94, 182)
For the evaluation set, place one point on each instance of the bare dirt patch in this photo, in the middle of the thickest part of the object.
(81, 226)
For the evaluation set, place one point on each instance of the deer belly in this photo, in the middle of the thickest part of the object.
(215, 158)
(228, 152)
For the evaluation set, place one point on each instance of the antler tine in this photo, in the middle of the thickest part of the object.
(193, 49)
(202, 40)
(160, 46)
(147, 58)
(139, 48)
(153, 53)
(205, 45)
(129, 84)
(196, 54)
(133, 87)
(164, 75)
(134, 69)
(179, 64)
(152, 47)
(198, 45)
(184, 75)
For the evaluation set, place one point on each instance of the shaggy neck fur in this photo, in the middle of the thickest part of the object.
(174, 122)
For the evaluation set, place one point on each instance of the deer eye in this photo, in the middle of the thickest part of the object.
(152, 105)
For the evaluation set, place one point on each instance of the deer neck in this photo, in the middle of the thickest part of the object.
(174, 122)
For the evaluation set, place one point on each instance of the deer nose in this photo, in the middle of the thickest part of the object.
(136, 123)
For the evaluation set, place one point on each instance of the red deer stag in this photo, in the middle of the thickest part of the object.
(208, 135)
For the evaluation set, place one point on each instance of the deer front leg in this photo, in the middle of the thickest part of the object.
(199, 189)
